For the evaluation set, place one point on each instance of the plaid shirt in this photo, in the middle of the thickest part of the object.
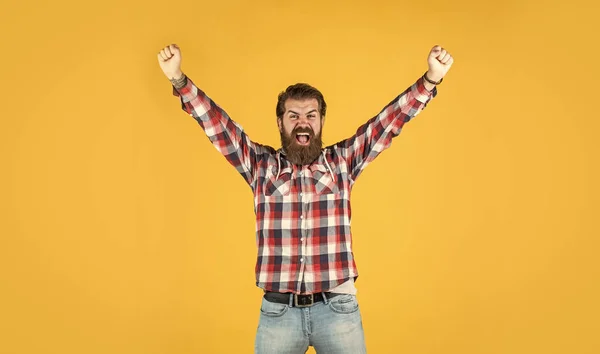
(303, 212)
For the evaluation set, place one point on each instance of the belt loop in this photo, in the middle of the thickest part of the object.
(325, 299)
(291, 302)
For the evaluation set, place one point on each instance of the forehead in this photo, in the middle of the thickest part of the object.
(301, 106)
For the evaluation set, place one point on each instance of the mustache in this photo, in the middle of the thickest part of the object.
(303, 130)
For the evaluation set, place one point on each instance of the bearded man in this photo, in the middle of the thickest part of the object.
(305, 262)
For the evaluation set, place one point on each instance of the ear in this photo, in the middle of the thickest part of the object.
(279, 125)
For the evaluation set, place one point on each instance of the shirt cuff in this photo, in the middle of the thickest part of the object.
(187, 92)
(421, 93)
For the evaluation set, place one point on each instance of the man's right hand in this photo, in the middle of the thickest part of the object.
(169, 59)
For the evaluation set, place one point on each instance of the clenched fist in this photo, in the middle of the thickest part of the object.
(169, 59)
(439, 61)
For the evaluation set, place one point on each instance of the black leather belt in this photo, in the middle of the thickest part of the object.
(299, 300)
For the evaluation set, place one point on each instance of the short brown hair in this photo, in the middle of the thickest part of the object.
(300, 91)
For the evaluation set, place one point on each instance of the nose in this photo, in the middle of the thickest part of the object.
(303, 121)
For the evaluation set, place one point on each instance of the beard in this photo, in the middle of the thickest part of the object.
(301, 154)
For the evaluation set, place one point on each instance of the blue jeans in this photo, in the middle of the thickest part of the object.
(331, 327)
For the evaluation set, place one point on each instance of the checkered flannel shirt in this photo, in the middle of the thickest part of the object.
(303, 212)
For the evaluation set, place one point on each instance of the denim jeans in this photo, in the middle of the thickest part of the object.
(331, 327)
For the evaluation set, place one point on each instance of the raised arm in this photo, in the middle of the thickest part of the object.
(225, 134)
(377, 133)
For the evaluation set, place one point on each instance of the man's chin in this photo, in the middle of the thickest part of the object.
(301, 148)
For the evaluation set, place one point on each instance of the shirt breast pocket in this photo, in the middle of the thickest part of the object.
(324, 181)
(278, 186)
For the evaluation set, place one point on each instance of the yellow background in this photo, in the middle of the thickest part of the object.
(124, 231)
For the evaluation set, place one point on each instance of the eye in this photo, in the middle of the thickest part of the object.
(293, 116)
(311, 116)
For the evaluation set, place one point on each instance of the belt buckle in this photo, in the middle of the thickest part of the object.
(302, 302)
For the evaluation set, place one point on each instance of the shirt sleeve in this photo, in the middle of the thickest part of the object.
(227, 136)
(377, 133)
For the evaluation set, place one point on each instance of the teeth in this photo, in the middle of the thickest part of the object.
(303, 134)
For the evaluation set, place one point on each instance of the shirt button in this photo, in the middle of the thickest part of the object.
(300, 194)
(301, 259)
(301, 216)
(302, 239)
(301, 174)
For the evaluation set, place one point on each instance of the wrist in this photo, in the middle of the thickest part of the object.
(433, 78)
(178, 80)
(177, 75)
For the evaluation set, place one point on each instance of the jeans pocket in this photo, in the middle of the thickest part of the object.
(346, 303)
(272, 309)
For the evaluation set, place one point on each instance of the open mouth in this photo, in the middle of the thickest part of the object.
(303, 138)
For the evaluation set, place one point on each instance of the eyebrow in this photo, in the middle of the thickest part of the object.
(313, 111)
